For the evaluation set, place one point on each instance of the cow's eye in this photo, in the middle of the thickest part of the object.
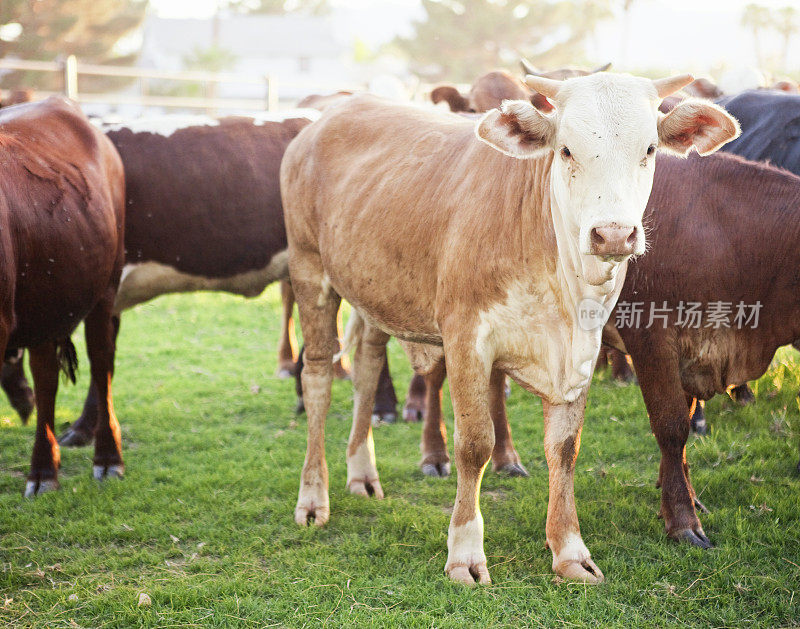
(651, 149)
(565, 152)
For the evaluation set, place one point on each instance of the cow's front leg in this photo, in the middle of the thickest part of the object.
(368, 364)
(562, 440)
(669, 420)
(474, 440)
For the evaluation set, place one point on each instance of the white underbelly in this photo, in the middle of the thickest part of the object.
(143, 281)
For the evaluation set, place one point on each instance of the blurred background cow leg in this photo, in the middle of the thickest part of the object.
(504, 456)
(742, 394)
(697, 413)
(385, 408)
(416, 406)
(287, 347)
(46, 456)
(101, 333)
(81, 432)
(620, 369)
(435, 459)
(15, 385)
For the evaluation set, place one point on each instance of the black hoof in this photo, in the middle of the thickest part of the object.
(412, 414)
(437, 470)
(300, 407)
(383, 418)
(695, 538)
(700, 506)
(102, 472)
(513, 469)
(38, 487)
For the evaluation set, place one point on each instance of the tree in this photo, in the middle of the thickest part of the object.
(89, 29)
(460, 39)
(786, 23)
(757, 18)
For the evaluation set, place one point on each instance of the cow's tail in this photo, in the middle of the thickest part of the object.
(352, 332)
(67, 359)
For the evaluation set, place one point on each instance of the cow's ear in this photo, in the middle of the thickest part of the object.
(451, 96)
(696, 123)
(517, 129)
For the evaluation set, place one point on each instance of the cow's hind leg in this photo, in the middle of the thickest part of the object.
(317, 304)
(81, 432)
(562, 441)
(100, 333)
(287, 347)
(46, 456)
(474, 440)
(14, 383)
(368, 363)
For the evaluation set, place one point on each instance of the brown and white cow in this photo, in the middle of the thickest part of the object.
(705, 219)
(515, 220)
(203, 211)
(61, 254)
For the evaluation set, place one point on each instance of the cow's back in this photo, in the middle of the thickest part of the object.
(436, 200)
(204, 207)
(63, 206)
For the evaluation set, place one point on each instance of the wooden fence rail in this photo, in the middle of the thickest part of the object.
(71, 70)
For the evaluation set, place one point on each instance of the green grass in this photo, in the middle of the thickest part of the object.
(203, 521)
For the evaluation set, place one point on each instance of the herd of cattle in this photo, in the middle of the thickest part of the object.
(533, 204)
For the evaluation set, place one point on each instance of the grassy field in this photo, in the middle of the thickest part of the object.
(202, 523)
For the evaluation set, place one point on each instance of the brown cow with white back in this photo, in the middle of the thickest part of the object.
(515, 220)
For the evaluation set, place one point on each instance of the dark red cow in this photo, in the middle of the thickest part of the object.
(203, 211)
(62, 210)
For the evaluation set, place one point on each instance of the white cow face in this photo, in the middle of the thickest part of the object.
(604, 132)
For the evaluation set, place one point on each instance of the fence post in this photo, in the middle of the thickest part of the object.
(71, 77)
(272, 92)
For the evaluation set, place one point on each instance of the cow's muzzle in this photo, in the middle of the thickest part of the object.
(613, 241)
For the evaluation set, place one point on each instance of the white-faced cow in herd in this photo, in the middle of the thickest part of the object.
(62, 203)
(514, 222)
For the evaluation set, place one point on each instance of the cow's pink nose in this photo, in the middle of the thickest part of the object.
(613, 240)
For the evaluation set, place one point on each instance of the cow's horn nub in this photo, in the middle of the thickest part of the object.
(546, 87)
(672, 84)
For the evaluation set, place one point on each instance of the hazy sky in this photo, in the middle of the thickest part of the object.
(685, 35)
